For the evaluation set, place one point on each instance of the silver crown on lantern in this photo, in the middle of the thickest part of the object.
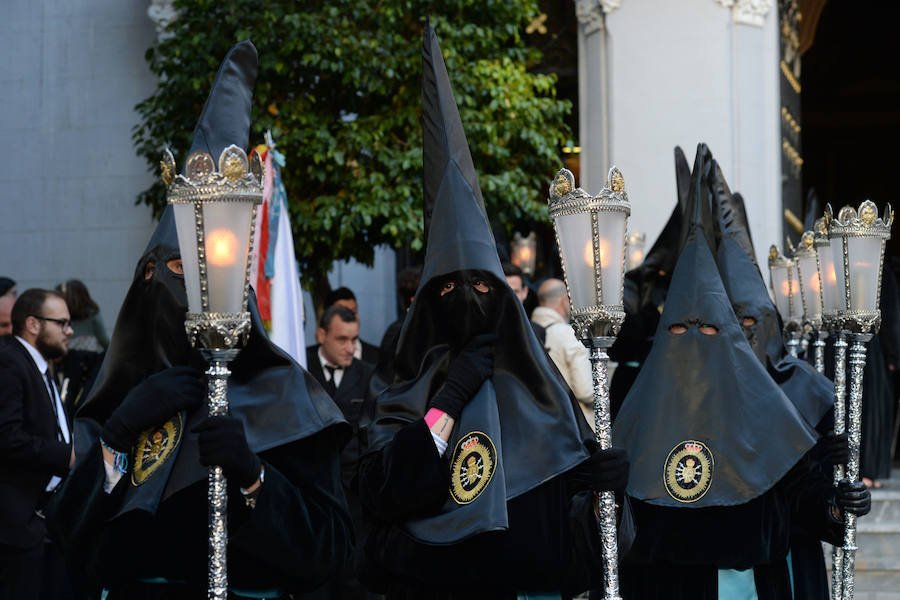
(238, 177)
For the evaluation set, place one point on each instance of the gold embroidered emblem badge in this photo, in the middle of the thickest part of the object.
(472, 468)
(154, 447)
(688, 471)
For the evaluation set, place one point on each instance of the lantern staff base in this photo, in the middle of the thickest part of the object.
(857, 362)
(840, 388)
(819, 346)
(217, 492)
(793, 341)
(598, 347)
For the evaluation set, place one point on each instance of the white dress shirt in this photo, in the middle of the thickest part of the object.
(338, 370)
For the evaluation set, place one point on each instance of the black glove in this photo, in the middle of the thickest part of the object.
(467, 372)
(603, 471)
(853, 498)
(835, 448)
(151, 403)
(222, 443)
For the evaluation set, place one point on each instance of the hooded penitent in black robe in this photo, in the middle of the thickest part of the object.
(719, 467)
(147, 538)
(528, 527)
(879, 396)
(645, 294)
(810, 392)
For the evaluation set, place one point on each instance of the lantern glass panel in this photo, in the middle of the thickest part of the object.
(577, 251)
(811, 287)
(865, 257)
(227, 241)
(781, 288)
(837, 256)
(187, 243)
(611, 230)
(829, 280)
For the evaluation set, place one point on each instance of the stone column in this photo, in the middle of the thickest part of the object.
(660, 73)
(593, 92)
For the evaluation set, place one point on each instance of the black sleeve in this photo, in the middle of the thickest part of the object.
(77, 513)
(810, 495)
(300, 527)
(19, 447)
(405, 478)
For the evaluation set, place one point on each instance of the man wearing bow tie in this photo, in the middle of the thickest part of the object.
(346, 379)
(35, 441)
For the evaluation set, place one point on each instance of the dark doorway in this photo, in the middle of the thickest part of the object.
(851, 106)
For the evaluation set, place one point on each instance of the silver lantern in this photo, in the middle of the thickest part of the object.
(215, 212)
(590, 235)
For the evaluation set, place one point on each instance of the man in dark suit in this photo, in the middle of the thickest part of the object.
(344, 296)
(346, 379)
(35, 443)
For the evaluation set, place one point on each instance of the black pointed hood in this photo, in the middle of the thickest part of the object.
(704, 424)
(662, 255)
(698, 219)
(525, 391)
(814, 210)
(648, 281)
(225, 120)
(456, 223)
(811, 392)
(277, 400)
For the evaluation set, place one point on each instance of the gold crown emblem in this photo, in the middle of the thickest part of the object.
(237, 177)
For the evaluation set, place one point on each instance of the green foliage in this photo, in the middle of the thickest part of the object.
(356, 183)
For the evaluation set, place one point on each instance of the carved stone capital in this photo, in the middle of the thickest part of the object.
(748, 12)
(590, 13)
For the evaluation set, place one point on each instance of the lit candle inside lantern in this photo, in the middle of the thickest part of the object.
(815, 283)
(789, 288)
(221, 248)
(604, 253)
(637, 255)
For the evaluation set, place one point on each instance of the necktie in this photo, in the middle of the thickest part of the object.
(52, 391)
(330, 385)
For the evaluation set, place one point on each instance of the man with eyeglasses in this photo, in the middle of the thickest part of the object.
(36, 448)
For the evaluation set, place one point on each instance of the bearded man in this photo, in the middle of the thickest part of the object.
(35, 441)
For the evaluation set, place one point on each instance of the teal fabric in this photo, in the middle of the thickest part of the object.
(260, 594)
(539, 596)
(737, 585)
(790, 563)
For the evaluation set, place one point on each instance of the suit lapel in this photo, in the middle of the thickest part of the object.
(38, 380)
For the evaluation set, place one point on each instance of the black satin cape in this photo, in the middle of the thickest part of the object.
(810, 391)
(277, 400)
(709, 388)
(524, 400)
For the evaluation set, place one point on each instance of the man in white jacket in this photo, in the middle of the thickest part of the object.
(569, 354)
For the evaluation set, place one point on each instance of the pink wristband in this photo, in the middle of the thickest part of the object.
(433, 416)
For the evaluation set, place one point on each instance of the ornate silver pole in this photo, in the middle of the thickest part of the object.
(793, 343)
(603, 435)
(857, 363)
(217, 493)
(819, 345)
(214, 213)
(840, 355)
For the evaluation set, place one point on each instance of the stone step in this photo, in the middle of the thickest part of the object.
(877, 585)
(885, 506)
